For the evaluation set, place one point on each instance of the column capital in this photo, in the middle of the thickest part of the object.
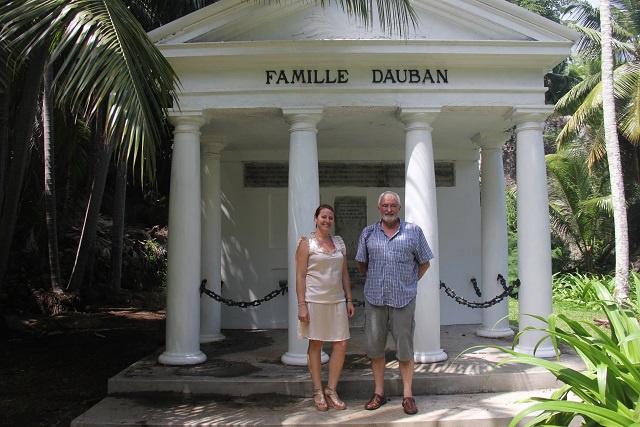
(529, 113)
(412, 115)
(311, 115)
(212, 144)
(194, 118)
(489, 140)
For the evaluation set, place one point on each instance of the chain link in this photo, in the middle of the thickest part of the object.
(509, 291)
(242, 304)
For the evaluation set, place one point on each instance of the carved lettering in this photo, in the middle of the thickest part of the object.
(390, 76)
(307, 76)
(378, 76)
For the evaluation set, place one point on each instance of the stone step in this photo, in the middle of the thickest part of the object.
(460, 410)
(243, 382)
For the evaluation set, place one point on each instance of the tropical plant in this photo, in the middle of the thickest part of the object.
(607, 392)
(579, 207)
(108, 76)
(593, 103)
(102, 62)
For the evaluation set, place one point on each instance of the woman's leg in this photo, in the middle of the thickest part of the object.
(315, 363)
(336, 362)
(338, 350)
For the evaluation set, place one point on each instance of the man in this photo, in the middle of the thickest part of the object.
(393, 255)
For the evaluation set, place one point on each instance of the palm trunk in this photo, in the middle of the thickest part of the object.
(50, 183)
(621, 291)
(23, 132)
(4, 139)
(117, 230)
(90, 227)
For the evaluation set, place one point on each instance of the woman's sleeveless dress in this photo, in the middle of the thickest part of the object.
(324, 293)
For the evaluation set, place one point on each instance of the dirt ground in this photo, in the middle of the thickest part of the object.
(52, 369)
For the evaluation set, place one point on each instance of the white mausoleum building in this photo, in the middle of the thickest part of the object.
(286, 106)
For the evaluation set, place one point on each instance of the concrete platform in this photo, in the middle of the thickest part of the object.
(243, 382)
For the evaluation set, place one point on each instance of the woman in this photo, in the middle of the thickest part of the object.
(323, 287)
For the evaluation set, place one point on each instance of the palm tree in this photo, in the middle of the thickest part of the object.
(579, 205)
(50, 183)
(103, 58)
(613, 157)
(105, 64)
(584, 100)
(593, 103)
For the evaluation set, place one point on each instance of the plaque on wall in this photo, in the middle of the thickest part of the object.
(340, 174)
(351, 218)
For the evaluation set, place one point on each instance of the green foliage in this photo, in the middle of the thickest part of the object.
(607, 392)
(576, 288)
(579, 206)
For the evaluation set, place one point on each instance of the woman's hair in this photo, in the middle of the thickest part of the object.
(324, 207)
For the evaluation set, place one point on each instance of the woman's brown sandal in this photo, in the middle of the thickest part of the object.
(333, 399)
(319, 400)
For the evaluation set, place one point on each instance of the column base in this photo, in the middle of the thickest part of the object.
(430, 356)
(182, 359)
(540, 352)
(300, 359)
(211, 338)
(494, 333)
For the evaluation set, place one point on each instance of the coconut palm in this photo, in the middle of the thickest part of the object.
(101, 59)
(594, 101)
(613, 157)
(105, 68)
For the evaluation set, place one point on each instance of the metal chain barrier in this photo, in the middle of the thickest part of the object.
(474, 282)
(242, 304)
(509, 291)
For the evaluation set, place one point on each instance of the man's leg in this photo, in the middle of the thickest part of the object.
(406, 371)
(378, 366)
(402, 327)
(376, 326)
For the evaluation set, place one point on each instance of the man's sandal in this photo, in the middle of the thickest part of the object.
(319, 400)
(409, 406)
(375, 402)
(333, 399)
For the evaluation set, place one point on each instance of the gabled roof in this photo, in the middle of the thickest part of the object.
(444, 20)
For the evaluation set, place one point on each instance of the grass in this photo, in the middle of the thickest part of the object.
(572, 311)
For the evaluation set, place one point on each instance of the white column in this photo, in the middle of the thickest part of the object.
(421, 208)
(210, 309)
(183, 264)
(304, 198)
(495, 243)
(534, 235)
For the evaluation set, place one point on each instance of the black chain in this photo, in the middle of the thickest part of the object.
(242, 304)
(509, 291)
(474, 282)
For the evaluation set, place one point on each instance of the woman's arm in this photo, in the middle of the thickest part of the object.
(302, 261)
(346, 285)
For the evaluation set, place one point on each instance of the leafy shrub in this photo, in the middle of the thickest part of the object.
(607, 393)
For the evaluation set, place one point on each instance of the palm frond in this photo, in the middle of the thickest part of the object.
(104, 56)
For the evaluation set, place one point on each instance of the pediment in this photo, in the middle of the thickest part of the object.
(447, 20)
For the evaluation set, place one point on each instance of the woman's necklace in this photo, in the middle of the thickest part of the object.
(323, 240)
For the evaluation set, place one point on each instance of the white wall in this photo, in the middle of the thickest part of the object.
(254, 235)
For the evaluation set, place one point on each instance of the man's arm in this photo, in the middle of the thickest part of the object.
(363, 267)
(422, 268)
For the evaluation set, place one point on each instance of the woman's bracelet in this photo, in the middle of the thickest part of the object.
(349, 300)
(302, 303)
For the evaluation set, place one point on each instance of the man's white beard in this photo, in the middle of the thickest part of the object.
(389, 218)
